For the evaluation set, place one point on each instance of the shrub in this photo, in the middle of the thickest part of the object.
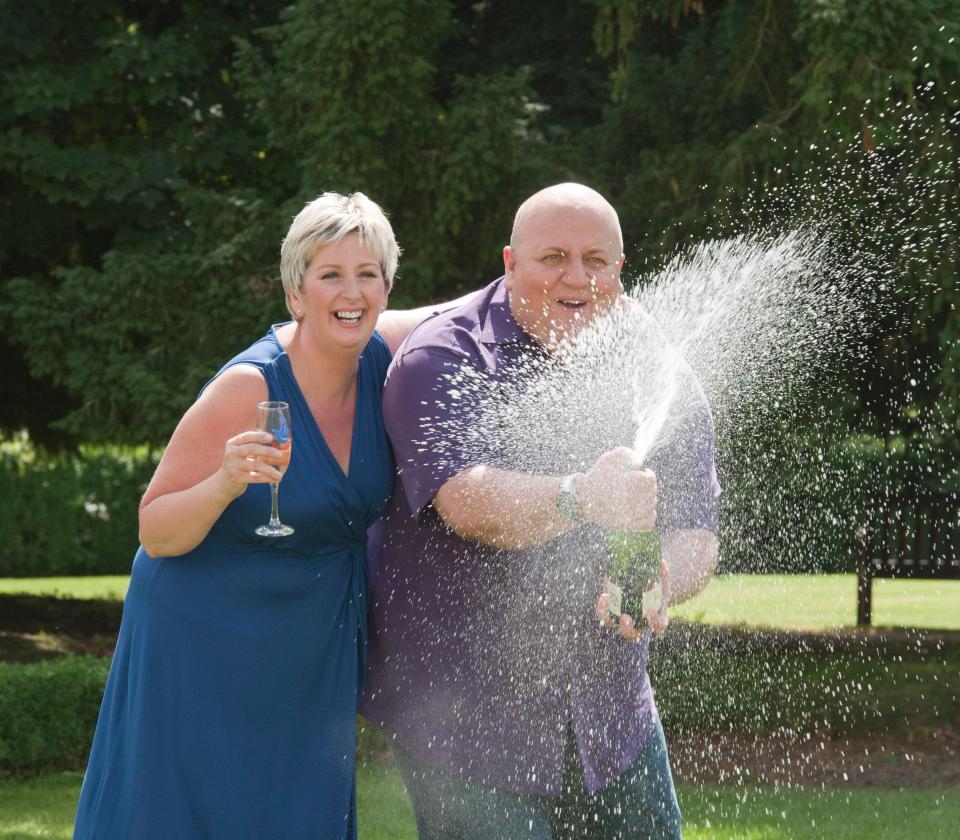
(802, 510)
(72, 514)
(716, 679)
(48, 711)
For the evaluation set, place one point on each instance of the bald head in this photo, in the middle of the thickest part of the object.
(561, 197)
(562, 266)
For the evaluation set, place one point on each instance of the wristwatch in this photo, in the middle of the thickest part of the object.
(568, 505)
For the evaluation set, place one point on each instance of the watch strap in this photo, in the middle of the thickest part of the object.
(568, 505)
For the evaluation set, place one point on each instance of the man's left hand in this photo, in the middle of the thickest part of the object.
(657, 619)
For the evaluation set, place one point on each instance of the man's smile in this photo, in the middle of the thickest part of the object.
(572, 303)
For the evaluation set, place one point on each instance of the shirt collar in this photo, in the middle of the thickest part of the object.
(499, 326)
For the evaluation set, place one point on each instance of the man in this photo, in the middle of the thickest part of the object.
(513, 711)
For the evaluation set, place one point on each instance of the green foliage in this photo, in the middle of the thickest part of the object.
(713, 680)
(48, 712)
(151, 157)
(618, 21)
(131, 217)
(718, 110)
(864, 57)
(70, 514)
(154, 158)
(449, 169)
(323, 87)
(857, 50)
(801, 506)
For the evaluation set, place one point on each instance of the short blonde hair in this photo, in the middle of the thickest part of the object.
(327, 219)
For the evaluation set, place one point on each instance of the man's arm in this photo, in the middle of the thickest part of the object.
(518, 510)
(500, 508)
(395, 325)
(425, 404)
(691, 557)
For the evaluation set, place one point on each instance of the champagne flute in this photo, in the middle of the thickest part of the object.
(274, 417)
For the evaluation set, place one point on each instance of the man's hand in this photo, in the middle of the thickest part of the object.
(617, 493)
(657, 619)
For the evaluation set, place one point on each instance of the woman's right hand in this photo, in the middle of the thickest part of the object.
(248, 458)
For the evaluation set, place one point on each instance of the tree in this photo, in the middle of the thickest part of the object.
(131, 207)
(153, 155)
(171, 198)
(349, 95)
(843, 107)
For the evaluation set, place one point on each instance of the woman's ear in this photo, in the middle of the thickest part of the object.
(295, 305)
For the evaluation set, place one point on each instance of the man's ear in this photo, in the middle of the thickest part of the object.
(509, 264)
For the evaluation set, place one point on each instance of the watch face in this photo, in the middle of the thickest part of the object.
(569, 506)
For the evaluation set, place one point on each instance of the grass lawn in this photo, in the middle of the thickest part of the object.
(820, 602)
(794, 602)
(737, 679)
(763, 813)
(44, 808)
(95, 587)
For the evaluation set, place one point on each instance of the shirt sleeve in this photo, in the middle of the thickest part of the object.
(432, 410)
(688, 490)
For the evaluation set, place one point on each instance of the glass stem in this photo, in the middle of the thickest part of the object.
(274, 515)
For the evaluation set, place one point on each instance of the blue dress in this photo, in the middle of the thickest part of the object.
(231, 703)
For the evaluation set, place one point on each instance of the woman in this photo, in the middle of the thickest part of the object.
(230, 707)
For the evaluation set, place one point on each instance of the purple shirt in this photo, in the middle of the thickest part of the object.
(480, 658)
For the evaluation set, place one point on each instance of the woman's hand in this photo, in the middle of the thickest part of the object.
(248, 458)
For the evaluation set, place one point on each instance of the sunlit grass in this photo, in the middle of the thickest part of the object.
(95, 587)
(794, 602)
(383, 808)
(820, 602)
(765, 813)
(41, 807)
(45, 807)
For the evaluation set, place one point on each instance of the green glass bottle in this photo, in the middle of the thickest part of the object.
(634, 573)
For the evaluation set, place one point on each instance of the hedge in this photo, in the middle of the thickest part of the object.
(72, 514)
(800, 507)
(707, 679)
(48, 712)
(797, 509)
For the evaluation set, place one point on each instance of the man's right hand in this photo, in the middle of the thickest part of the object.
(617, 493)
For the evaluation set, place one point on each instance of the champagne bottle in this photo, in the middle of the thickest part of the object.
(634, 572)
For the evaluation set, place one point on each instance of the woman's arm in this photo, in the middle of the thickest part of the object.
(209, 462)
(396, 324)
